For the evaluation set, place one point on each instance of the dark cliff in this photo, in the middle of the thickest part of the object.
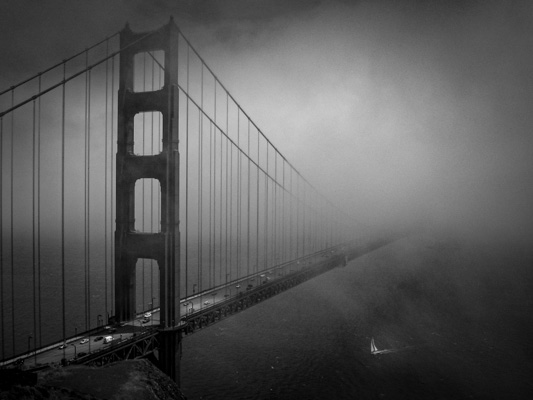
(135, 379)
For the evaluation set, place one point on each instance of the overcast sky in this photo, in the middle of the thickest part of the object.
(398, 111)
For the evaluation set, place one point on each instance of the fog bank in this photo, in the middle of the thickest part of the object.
(403, 113)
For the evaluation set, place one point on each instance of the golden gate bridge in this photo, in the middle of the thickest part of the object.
(140, 201)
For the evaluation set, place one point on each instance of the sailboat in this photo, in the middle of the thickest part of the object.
(374, 350)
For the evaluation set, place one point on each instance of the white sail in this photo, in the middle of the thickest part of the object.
(374, 350)
(373, 347)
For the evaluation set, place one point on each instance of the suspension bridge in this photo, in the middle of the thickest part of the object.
(139, 203)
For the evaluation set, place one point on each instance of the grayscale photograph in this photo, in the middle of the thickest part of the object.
(266, 199)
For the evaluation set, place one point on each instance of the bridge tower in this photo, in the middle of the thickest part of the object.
(163, 246)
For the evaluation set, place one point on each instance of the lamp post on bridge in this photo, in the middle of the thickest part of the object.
(152, 308)
(75, 338)
(29, 348)
(194, 288)
(74, 341)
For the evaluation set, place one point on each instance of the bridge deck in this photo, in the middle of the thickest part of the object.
(138, 337)
(196, 308)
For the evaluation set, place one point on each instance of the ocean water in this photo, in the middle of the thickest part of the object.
(457, 316)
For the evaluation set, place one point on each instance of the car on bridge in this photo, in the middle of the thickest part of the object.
(98, 338)
(63, 346)
(18, 362)
(83, 341)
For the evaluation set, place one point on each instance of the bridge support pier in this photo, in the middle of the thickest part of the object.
(170, 353)
(163, 246)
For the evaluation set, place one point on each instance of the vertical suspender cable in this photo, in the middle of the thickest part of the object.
(248, 189)
(210, 215)
(304, 205)
(282, 214)
(85, 209)
(160, 149)
(63, 311)
(152, 191)
(39, 220)
(89, 201)
(228, 204)
(214, 184)
(111, 219)
(266, 210)
(200, 282)
(200, 183)
(33, 225)
(231, 209)
(221, 202)
(297, 216)
(105, 172)
(143, 187)
(293, 217)
(2, 235)
(274, 244)
(86, 206)
(11, 228)
(257, 190)
(199, 240)
(187, 183)
(214, 199)
(314, 230)
(239, 198)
